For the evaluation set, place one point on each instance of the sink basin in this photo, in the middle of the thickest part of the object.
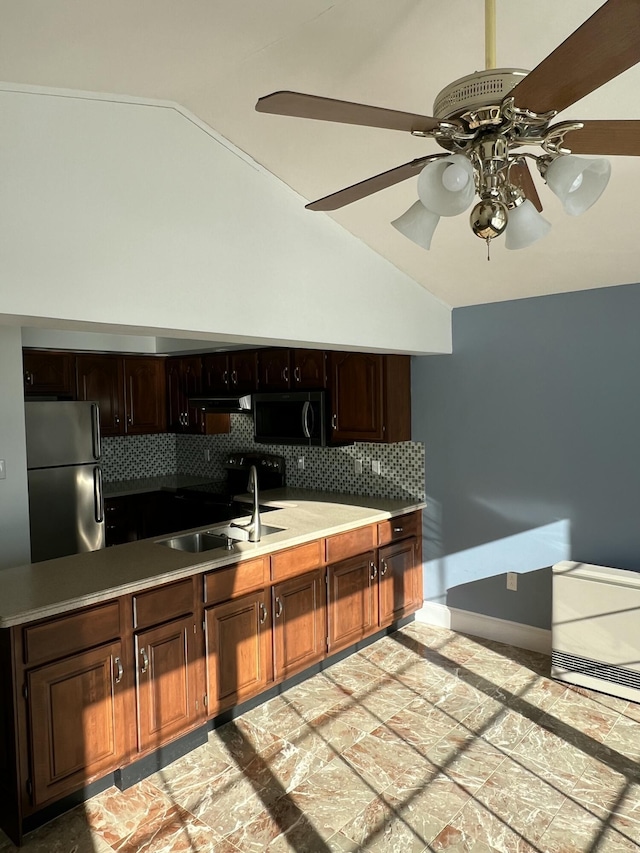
(242, 535)
(209, 540)
(196, 542)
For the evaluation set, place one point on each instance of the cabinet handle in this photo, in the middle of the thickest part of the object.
(334, 421)
(263, 612)
(118, 664)
(285, 374)
(129, 420)
(374, 570)
(234, 377)
(145, 661)
(296, 374)
(28, 377)
(278, 606)
(117, 420)
(398, 529)
(383, 568)
(225, 377)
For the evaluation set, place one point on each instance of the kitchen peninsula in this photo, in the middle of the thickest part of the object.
(141, 644)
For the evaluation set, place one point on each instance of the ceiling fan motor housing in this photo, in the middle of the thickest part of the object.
(476, 98)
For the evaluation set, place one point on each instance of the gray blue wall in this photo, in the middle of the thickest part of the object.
(532, 435)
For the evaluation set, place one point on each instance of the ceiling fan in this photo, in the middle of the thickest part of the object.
(485, 119)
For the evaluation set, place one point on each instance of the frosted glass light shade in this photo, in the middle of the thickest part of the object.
(577, 181)
(432, 185)
(418, 224)
(525, 226)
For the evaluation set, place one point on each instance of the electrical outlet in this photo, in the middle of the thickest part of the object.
(3, 470)
(358, 466)
(207, 454)
(512, 581)
(376, 466)
(300, 463)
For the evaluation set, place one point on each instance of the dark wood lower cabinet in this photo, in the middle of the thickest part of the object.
(299, 626)
(168, 703)
(90, 691)
(238, 650)
(398, 582)
(76, 721)
(352, 601)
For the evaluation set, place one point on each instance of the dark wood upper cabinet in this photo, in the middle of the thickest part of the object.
(144, 394)
(215, 373)
(370, 397)
(274, 369)
(356, 397)
(99, 379)
(129, 390)
(243, 371)
(230, 372)
(309, 369)
(184, 378)
(49, 372)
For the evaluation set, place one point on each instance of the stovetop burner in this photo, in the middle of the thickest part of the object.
(271, 475)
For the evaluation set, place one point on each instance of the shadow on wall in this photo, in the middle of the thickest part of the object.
(475, 579)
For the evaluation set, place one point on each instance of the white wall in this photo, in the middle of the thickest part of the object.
(133, 215)
(14, 506)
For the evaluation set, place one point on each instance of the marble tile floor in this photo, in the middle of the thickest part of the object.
(427, 740)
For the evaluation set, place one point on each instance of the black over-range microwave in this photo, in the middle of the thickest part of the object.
(296, 417)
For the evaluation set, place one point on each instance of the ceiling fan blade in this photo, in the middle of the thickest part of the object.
(371, 185)
(520, 175)
(604, 46)
(328, 109)
(606, 137)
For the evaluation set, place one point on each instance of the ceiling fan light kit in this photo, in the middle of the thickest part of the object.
(418, 224)
(486, 119)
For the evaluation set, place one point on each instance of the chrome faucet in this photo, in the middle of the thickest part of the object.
(254, 527)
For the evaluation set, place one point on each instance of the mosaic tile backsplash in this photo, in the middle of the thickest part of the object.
(328, 468)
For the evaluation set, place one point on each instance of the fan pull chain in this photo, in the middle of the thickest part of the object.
(488, 246)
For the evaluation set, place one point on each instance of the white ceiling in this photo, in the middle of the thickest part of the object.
(217, 57)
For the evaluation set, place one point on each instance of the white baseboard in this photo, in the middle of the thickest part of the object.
(489, 627)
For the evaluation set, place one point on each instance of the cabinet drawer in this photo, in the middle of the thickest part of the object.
(69, 634)
(162, 604)
(295, 561)
(349, 544)
(399, 528)
(236, 580)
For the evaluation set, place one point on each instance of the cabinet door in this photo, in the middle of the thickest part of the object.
(99, 378)
(192, 385)
(175, 397)
(77, 721)
(48, 372)
(165, 677)
(274, 369)
(309, 369)
(215, 373)
(356, 397)
(299, 638)
(243, 371)
(397, 584)
(144, 395)
(352, 609)
(238, 650)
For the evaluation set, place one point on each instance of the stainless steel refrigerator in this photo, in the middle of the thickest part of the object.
(66, 506)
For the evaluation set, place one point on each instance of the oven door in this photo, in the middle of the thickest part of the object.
(290, 418)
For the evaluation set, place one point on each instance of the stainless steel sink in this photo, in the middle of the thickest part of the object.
(238, 532)
(196, 542)
(209, 540)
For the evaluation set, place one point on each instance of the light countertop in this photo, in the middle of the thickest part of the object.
(38, 590)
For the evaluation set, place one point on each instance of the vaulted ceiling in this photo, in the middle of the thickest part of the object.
(217, 57)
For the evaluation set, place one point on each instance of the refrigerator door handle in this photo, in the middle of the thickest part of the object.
(95, 430)
(98, 497)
